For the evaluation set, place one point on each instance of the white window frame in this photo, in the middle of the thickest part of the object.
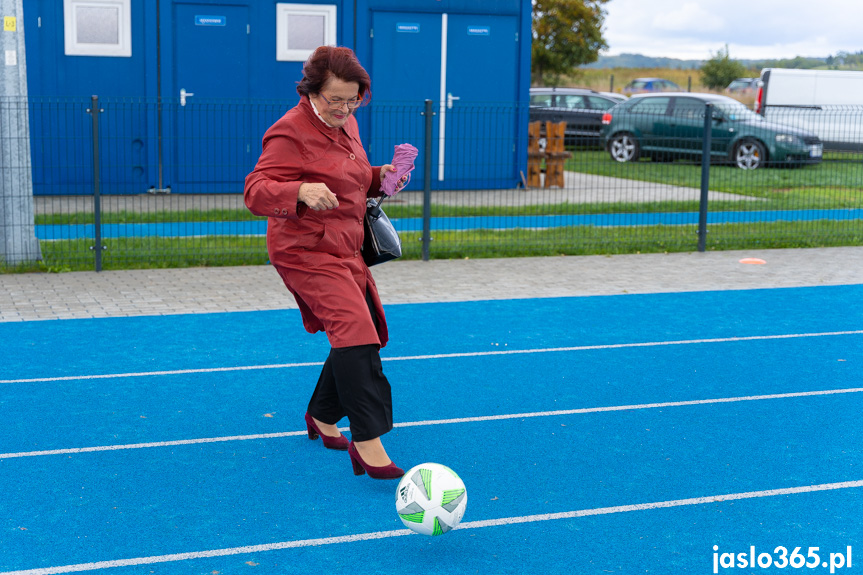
(283, 11)
(123, 47)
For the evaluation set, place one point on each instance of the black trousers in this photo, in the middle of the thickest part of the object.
(353, 384)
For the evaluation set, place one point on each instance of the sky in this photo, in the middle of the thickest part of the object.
(752, 29)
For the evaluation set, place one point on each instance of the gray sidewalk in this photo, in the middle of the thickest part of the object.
(25, 297)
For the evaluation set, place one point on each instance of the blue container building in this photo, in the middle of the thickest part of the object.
(187, 88)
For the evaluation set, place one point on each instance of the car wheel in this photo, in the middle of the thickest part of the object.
(623, 148)
(750, 155)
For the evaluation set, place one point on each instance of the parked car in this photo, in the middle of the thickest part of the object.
(826, 102)
(642, 85)
(743, 86)
(671, 125)
(580, 108)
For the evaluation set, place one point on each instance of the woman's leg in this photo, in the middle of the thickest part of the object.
(363, 390)
(352, 383)
(365, 395)
(324, 405)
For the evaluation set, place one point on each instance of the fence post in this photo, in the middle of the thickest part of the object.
(18, 241)
(426, 239)
(705, 177)
(94, 111)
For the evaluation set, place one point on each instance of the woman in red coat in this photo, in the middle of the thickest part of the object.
(312, 181)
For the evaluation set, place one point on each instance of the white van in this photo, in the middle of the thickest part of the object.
(828, 103)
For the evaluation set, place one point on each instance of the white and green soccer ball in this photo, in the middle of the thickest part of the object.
(431, 499)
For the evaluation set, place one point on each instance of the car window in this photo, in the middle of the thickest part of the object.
(637, 85)
(651, 105)
(600, 103)
(737, 112)
(669, 85)
(570, 101)
(542, 100)
(688, 108)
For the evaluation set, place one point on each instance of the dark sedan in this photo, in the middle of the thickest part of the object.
(581, 109)
(671, 125)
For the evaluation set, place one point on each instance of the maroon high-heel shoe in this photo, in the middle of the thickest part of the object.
(386, 472)
(340, 443)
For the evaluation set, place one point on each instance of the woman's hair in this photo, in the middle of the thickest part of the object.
(328, 61)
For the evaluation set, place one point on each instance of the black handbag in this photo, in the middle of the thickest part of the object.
(381, 242)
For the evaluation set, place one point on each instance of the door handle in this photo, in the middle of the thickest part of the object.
(449, 100)
(183, 95)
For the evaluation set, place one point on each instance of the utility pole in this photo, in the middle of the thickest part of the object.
(18, 243)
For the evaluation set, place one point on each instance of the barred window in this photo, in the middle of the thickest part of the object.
(97, 27)
(300, 28)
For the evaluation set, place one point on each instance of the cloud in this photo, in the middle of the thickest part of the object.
(688, 18)
(752, 29)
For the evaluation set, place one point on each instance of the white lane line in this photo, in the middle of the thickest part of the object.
(74, 450)
(630, 407)
(437, 356)
(166, 372)
(402, 532)
(659, 505)
(424, 423)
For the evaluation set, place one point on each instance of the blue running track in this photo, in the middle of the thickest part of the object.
(661, 433)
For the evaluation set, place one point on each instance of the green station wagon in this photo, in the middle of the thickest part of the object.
(668, 126)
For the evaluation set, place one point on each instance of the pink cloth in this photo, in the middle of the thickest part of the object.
(403, 160)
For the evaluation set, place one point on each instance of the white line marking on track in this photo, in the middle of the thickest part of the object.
(630, 407)
(402, 532)
(436, 356)
(477, 419)
(167, 372)
(73, 450)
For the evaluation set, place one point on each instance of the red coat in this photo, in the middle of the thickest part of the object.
(317, 253)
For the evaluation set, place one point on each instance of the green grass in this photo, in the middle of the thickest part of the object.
(166, 216)
(836, 183)
(146, 253)
(592, 240)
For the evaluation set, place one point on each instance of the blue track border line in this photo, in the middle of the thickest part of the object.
(55, 232)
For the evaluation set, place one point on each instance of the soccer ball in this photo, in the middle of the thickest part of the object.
(431, 499)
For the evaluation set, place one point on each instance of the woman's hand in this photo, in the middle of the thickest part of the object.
(389, 168)
(317, 196)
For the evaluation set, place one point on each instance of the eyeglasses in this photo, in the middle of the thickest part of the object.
(335, 103)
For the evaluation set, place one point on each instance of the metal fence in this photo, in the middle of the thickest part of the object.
(113, 184)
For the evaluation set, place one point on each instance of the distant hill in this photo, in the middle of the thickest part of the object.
(641, 61)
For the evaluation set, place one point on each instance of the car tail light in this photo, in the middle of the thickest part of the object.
(758, 97)
(606, 119)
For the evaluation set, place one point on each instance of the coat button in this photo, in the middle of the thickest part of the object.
(353, 157)
(277, 211)
(284, 211)
(356, 254)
